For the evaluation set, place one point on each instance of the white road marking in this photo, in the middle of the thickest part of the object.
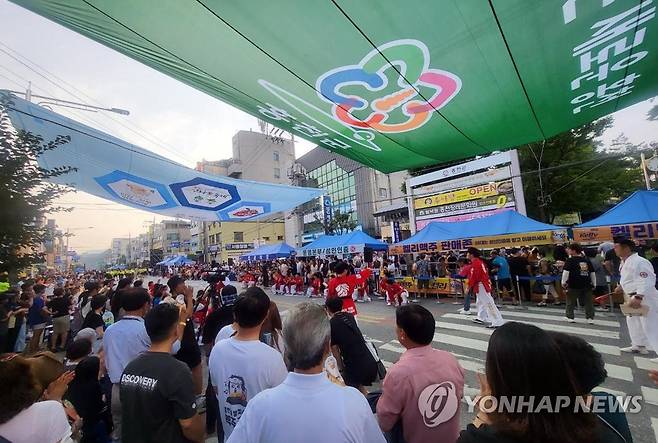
(560, 317)
(650, 395)
(554, 327)
(645, 363)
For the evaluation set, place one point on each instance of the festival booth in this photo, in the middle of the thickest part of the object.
(635, 217)
(269, 252)
(178, 260)
(504, 229)
(340, 245)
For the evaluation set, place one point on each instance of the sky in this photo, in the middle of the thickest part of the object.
(166, 116)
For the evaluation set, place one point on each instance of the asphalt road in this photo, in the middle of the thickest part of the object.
(627, 373)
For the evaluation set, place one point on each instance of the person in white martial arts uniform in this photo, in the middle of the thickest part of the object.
(480, 285)
(638, 283)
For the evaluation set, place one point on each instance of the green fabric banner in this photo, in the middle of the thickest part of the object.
(393, 84)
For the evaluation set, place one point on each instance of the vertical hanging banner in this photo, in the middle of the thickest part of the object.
(327, 212)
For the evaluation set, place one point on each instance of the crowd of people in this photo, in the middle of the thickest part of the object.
(125, 359)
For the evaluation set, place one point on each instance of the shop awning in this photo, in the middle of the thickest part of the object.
(392, 85)
(635, 217)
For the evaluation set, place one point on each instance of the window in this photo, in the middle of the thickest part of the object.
(277, 173)
(266, 238)
(383, 192)
(238, 236)
(275, 156)
(279, 237)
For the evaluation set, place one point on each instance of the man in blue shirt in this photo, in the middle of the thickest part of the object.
(500, 265)
(122, 342)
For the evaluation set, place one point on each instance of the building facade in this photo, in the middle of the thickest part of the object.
(352, 188)
(256, 156)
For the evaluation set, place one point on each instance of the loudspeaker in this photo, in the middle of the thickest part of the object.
(367, 255)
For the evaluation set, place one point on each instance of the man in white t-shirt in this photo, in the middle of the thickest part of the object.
(307, 407)
(242, 366)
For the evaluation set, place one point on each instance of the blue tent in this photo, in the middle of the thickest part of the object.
(269, 252)
(640, 207)
(352, 242)
(508, 222)
(178, 260)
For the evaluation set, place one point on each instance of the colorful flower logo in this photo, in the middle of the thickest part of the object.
(362, 96)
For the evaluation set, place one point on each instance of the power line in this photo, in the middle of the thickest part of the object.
(140, 131)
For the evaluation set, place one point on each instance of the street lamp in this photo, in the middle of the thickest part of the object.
(68, 235)
(68, 104)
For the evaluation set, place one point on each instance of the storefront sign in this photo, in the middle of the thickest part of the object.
(472, 193)
(482, 204)
(638, 231)
(498, 241)
(335, 250)
(491, 175)
(238, 246)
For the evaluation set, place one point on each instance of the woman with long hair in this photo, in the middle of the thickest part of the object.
(515, 385)
(270, 331)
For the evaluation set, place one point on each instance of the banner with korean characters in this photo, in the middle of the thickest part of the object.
(478, 76)
(492, 242)
(334, 250)
(638, 231)
(443, 285)
(462, 195)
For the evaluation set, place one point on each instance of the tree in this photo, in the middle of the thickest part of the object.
(576, 176)
(341, 223)
(26, 195)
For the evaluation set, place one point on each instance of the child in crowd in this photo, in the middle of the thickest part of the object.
(383, 284)
(396, 295)
(316, 288)
(547, 273)
(361, 289)
(279, 286)
(297, 284)
(248, 279)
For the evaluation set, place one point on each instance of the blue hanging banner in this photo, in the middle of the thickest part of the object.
(116, 170)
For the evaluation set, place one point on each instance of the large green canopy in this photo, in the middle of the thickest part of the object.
(393, 84)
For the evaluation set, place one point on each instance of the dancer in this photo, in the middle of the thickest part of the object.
(480, 285)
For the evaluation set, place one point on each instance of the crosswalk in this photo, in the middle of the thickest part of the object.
(627, 374)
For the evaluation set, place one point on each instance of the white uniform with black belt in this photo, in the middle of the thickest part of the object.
(638, 280)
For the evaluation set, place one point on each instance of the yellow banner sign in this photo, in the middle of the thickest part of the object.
(442, 285)
(472, 193)
(638, 231)
(492, 242)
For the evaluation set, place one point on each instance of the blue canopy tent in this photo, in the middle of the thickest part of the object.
(503, 229)
(350, 243)
(178, 260)
(635, 217)
(269, 252)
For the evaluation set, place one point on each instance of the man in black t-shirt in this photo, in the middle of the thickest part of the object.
(578, 279)
(358, 367)
(157, 393)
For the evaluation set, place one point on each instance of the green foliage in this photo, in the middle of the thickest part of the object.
(585, 186)
(26, 195)
(653, 113)
(341, 223)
